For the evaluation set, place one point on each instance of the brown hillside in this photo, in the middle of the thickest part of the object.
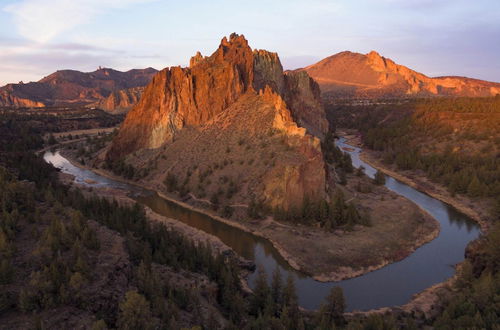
(348, 74)
(68, 87)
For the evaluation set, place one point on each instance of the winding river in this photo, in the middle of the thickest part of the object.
(391, 285)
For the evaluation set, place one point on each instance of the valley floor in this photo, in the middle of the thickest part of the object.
(398, 228)
(476, 209)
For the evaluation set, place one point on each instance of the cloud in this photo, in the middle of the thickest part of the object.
(42, 20)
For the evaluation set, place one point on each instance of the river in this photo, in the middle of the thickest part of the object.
(391, 285)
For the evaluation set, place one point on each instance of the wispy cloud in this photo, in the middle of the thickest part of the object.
(42, 20)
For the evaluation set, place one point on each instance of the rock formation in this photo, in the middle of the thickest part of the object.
(69, 87)
(348, 74)
(235, 94)
(120, 101)
(179, 97)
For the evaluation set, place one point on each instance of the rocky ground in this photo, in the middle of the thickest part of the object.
(398, 228)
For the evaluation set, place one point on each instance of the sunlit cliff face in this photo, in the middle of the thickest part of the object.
(234, 94)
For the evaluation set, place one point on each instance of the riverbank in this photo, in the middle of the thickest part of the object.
(198, 237)
(428, 300)
(328, 256)
(421, 183)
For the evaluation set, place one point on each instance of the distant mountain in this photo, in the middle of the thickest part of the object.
(348, 74)
(70, 87)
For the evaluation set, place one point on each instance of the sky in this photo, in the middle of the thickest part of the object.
(435, 37)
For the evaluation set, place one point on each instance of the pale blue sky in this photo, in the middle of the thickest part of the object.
(435, 37)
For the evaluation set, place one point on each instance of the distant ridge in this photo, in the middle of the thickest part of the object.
(349, 74)
(71, 87)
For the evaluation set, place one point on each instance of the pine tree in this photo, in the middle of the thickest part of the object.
(135, 312)
(347, 163)
(331, 312)
(342, 178)
(337, 209)
(52, 140)
(99, 325)
(351, 216)
(291, 304)
(261, 293)
(6, 271)
(289, 292)
(277, 290)
(475, 189)
(379, 178)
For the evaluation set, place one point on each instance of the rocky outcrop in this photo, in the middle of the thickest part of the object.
(287, 184)
(300, 91)
(179, 97)
(120, 101)
(348, 74)
(215, 104)
(303, 95)
(8, 99)
(69, 87)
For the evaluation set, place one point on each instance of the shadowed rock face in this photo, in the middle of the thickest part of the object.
(120, 101)
(179, 97)
(234, 94)
(69, 87)
(348, 74)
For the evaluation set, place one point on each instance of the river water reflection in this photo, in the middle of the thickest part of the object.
(389, 286)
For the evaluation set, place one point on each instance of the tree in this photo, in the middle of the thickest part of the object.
(214, 200)
(135, 312)
(493, 248)
(337, 209)
(171, 182)
(52, 140)
(277, 290)
(261, 293)
(379, 178)
(496, 208)
(332, 312)
(227, 211)
(254, 210)
(475, 188)
(465, 276)
(291, 305)
(342, 178)
(76, 281)
(351, 215)
(289, 292)
(99, 325)
(347, 163)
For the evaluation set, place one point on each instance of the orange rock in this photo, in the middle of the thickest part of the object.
(235, 92)
(179, 97)
(70, 87)
(348, 74)
(120, 101)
